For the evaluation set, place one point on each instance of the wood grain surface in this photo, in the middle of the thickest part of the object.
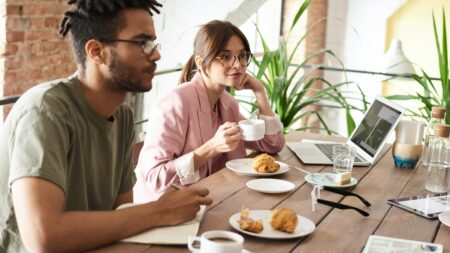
(337, 230)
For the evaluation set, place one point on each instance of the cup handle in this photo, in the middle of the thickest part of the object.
(191, 241)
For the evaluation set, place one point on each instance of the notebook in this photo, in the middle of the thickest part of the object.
(170, 235)
(368, 137)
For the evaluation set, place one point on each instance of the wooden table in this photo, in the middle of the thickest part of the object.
(337, 230)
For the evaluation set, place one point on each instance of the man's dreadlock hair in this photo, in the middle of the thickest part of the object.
(97, 19)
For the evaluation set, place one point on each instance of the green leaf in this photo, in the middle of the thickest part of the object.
(291, 90)
(402, 97)
(300, 11)
(350, 122)
(442, 55)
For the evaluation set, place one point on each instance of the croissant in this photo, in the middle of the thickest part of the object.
(284, 219)
(248, 224)
(265, 163)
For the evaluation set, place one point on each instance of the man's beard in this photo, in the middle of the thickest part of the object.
(121, 77)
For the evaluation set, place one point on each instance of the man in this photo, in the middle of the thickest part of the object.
(65, 150)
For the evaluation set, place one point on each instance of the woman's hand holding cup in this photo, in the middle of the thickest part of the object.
(227, 138)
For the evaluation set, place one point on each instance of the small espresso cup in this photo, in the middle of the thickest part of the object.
(217, 241)
(252, 129)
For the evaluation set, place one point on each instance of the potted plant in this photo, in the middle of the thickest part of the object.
(430, 96)
(290, 89)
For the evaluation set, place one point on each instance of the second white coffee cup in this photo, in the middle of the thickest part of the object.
(252, 129)
(217, 241)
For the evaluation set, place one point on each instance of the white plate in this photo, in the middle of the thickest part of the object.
(244, 166)
(445, 218)
(269, 185)
(304, 226)
(327, 179)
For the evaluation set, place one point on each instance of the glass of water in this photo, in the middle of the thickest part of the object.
(438, 165)
(343, 158)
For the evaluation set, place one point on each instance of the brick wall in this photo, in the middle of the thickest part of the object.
(33, 52)
(2, 50)
(317, 12)
(314, 41)
(316, 38)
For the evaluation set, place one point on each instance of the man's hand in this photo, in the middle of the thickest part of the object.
(45, 227)
(182, 205)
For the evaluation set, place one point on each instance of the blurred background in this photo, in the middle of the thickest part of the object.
(365, 40)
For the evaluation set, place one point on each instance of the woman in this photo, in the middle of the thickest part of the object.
(193, 130)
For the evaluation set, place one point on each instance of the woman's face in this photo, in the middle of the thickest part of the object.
(229, 67)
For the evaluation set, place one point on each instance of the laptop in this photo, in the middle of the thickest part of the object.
(368, 137)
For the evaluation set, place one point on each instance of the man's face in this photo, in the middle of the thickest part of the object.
(130, 69)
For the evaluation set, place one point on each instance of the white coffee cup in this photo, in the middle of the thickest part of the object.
(217, 241)
(252, 129)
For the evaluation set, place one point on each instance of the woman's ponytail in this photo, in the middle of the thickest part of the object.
(188, 70)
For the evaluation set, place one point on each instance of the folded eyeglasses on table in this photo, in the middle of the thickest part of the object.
(315, 198)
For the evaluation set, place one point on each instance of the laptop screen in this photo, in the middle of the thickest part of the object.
(375, 127)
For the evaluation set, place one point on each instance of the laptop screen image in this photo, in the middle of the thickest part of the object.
(375, 127)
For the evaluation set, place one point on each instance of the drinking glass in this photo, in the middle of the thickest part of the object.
(438, 165)
(343, 158)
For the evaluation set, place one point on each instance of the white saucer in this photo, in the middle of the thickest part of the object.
(269, 185)
(445, 218)
(244, 166)
(327, 179)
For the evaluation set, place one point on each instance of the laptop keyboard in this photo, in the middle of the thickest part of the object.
(327, 150)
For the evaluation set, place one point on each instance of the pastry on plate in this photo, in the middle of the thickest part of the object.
(265, 163)
(284, 219)
(248, 224)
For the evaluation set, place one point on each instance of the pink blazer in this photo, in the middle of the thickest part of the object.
(181, 122)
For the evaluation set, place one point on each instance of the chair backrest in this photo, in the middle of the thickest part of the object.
(136, 151)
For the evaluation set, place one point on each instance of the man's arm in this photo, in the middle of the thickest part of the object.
(44, 227)
(124, 198)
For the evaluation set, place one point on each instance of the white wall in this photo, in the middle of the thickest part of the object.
(356, 31)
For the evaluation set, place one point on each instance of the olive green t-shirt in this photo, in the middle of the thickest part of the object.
(53, 133)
